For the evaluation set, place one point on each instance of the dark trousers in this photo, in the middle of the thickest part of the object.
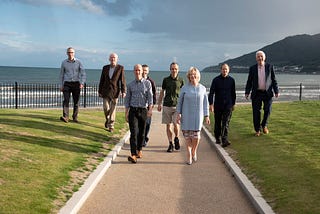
(261, 97)
(146, 134)
(221, 124)
(137, 125)
(68, 89)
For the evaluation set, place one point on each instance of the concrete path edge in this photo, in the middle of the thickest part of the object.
(247, 187)
(74, 204)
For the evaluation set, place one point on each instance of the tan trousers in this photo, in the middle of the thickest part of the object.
(109, 108)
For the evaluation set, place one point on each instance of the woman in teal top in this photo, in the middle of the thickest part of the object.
(192, 107)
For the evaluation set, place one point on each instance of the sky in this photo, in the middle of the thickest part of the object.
(200, 33)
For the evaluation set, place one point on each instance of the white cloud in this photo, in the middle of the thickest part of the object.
(91, 7)
(47, 2)
(23, 44)
(113, 8)
(14, 40)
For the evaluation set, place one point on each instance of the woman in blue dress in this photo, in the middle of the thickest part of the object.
(192, 107)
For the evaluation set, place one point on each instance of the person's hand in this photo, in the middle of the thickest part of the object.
(149, 113)
(247, 96)
(123, 95)
(159, 107)
(81, 86)
(207, 120)
(178, 119)
(211, 108)
(127, 116)
(276, 95)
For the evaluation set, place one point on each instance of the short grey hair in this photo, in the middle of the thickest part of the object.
(114, 54)
(261, 52)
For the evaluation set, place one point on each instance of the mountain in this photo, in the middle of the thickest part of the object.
(296, 54)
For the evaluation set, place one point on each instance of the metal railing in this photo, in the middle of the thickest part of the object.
(45, 95)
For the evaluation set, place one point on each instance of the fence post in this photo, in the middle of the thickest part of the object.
(85, 95)
(300, 94)
(16, 94)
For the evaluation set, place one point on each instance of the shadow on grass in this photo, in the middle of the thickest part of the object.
(49, 142)
(50, 118)
(55, 128)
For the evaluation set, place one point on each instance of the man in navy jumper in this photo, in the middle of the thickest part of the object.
(222, 98)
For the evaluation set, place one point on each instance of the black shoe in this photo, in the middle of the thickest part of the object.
(106, 125)
(170, 148)
(176, 143)
(225, 143)
(218, 140)
(75, 120)
(145, 143)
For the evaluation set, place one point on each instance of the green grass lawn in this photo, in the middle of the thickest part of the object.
(43, 160)
(285, 164)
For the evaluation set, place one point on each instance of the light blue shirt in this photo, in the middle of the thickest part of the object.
(72, 71)
(193, 106)
(139, 94)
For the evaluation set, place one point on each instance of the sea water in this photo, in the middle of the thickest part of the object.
(289, 84)
(51, 75)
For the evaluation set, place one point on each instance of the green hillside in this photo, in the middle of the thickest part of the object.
(294, 54)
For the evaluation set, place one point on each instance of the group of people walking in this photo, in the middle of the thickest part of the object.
(182, 105)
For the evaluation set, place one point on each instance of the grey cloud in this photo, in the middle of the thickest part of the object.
(232, 21)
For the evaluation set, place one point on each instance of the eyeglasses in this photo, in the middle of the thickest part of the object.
(70, 52)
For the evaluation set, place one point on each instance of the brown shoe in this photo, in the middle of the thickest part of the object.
(132, 158)
(110, 130)
(64, 119)
(257, 134)
(265, 130)
(139, 154)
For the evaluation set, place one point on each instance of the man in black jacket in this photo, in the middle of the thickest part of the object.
(262, 83)
(224, 91)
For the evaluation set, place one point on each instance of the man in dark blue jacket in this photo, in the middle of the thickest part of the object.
(262, 83)
(223, 95)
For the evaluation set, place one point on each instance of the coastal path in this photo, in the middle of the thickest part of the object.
(162, 182)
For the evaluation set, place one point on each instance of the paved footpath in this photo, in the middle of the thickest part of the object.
(162, 182)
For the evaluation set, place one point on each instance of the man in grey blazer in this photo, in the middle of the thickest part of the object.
(112, 83)
(263, 85)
